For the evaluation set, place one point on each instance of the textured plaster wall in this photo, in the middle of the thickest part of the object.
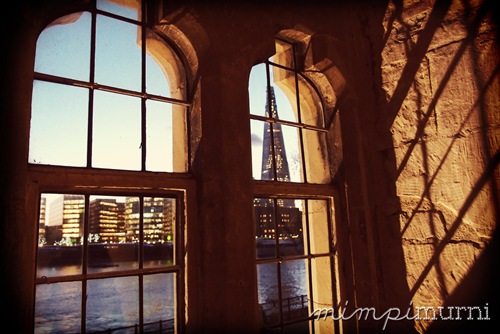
(445, 133)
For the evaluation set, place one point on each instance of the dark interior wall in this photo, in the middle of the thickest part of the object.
(376, 264)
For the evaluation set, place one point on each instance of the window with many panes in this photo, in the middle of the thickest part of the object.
(108, 151)
(294, 198)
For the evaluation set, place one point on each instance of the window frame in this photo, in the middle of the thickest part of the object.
(88, 180)
(304, 191)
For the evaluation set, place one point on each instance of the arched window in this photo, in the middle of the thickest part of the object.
(108, 151)
(293, 196)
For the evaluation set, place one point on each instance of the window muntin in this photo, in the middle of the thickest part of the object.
(72, 115)
(284, 100)
(120, 59)
(295, 258)
(295, 244)
(119, 251)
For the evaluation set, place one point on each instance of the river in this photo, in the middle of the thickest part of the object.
(112, 304)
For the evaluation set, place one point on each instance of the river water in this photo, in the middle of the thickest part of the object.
(113, 303)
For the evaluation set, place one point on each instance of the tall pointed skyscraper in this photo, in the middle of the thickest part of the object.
(276, 218)
(281, 165)
(279, 168)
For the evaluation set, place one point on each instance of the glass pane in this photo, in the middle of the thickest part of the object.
(159, 146)
(63, 48)
(132, 220)
(118, 51)
(110, 6)
(58, 134)
(107, 246)
(257, 88)
(60, 238)
(117, 131)
(265, 228)
(58, 308)
(159, 231)
(286, 151)
(318, 226)
(294, 290)
(156, 65)
(113, 303)
(280, 100)
(267, 280)
(159, 303)
(290, 227)
(288, 157)
(316, 157)
(322, 292)
(258, 169)
(311, 110)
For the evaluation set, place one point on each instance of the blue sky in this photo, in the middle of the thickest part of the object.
(59, 122)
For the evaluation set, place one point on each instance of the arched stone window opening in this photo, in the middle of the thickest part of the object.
(294, 204)
(108, 158)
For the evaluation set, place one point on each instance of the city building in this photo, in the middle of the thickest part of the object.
(41, 221)
(275, 218)
(107, 220)
(397, 121)
(158, 219)
(67, 211)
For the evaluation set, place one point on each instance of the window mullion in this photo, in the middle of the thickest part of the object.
(90, 124)
(270, 124)
(85, 254)
(143, 100)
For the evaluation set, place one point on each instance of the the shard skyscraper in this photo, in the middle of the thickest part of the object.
(273, 133)
(275, 217)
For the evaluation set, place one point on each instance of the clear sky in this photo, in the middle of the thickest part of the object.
(59, 122)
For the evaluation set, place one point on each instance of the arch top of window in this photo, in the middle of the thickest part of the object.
(297, 100)
(66, 49)
(107, 86)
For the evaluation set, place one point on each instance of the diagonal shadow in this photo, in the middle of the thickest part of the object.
(415, 57)
(445, 155)
(472, 34)
(478, 186)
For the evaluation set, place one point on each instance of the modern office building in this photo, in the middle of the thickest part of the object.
(158, 219)
(68, 212)
(398, 118)
(107, 220)
(275, 216)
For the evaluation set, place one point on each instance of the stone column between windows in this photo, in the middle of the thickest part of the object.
(227, 290)
(17, 229)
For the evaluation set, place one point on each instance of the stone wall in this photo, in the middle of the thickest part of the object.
(441, 84)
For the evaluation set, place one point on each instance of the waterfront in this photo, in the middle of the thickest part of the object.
(113, 303)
